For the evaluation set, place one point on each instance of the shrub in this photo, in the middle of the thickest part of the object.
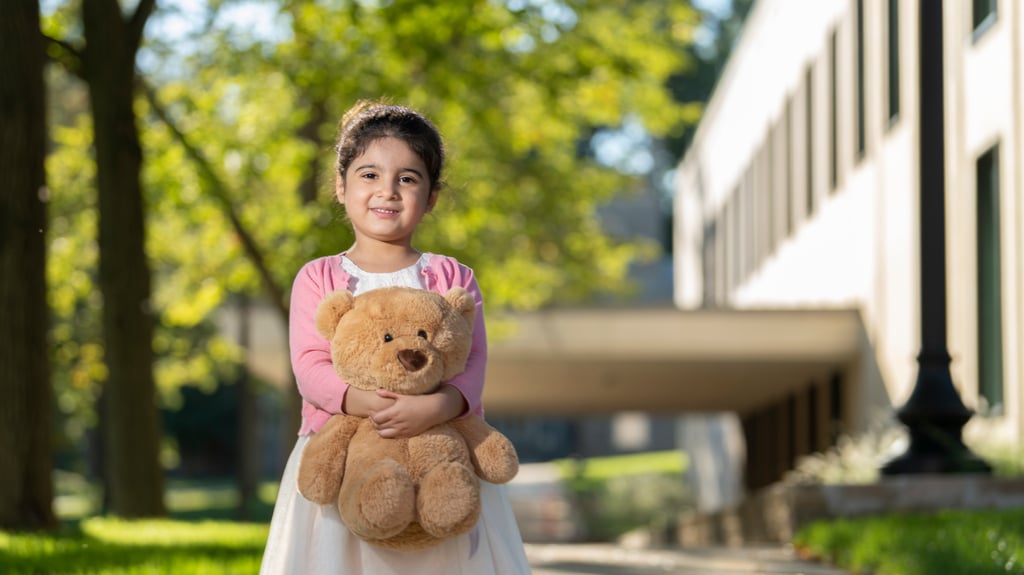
(960, 542)
(617, 494)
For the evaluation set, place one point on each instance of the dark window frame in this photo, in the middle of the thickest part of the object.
(862, 134)
(991, 381)
(809, 140)
(833, 97)
(893, 24)
(788, 187)
(984, 14)
(710, 264)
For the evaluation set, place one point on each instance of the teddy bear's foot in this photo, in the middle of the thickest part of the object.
(382, 505)
(449, 500)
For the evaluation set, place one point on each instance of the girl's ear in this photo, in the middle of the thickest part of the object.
(431, 200)
(339, 188)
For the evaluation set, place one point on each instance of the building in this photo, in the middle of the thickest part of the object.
(801, 189)
(796, 307)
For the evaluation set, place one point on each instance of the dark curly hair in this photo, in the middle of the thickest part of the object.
(368, 121)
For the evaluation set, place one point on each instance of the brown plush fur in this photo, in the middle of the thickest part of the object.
(402, 493)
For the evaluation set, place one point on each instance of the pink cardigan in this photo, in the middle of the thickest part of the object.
(322, 391)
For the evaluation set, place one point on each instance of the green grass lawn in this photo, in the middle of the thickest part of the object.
(946, 542)
(201, 536)
(107, 546)
(186, 499)
(597, 468)
(618, 494)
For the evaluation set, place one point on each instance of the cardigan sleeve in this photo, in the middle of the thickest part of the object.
(318, 383)
(471, 381)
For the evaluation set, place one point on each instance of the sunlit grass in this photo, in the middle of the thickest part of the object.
(77, 499)
(656, 462)
(108, 546)
(168, 532)
(961, 542)
(202, 535)
(620, 493)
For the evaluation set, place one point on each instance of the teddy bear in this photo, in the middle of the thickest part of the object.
(402, 493)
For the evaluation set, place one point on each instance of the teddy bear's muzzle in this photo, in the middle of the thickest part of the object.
(412, 360)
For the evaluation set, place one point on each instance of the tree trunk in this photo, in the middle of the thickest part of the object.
(248, 418)
(310, 187)
(26, 490)
(133, 472)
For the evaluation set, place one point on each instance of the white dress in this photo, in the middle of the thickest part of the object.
(310, 539)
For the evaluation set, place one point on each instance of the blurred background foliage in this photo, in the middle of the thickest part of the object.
(238, 106)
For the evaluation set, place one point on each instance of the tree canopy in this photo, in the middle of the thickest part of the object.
(237, 105)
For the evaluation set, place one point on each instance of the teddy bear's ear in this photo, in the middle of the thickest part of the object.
(463, 302)
(335, 305)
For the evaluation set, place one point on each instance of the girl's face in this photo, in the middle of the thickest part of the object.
(386, 192)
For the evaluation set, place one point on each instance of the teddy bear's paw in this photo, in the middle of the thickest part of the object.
(496, 459)
(449, 500)
(383, 504)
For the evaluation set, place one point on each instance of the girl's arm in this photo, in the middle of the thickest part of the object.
(318, 382)
(470, 382)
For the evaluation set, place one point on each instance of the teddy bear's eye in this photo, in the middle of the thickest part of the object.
(422, 334)
(388, 338)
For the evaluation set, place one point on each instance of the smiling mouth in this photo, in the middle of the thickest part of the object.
(384, 211)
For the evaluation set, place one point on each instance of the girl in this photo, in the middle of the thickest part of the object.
(389, 163)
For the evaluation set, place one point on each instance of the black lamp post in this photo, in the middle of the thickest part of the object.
(934, 414)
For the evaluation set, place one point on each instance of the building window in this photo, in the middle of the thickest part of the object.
(990, 336)
(762, 202)
(788, 186)
(732, 211)
(861, 124)
(809, 138)
(835, 409)
(749, 224)
(894, 61)
(771, 209)
(710, 264)
(983, 16)
(833, 111)
(813, 428)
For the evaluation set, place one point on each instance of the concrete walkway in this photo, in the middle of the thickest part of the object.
(547, 522)
(596, 559)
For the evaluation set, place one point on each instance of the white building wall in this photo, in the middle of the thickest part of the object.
(859, 247)
(1015, 255)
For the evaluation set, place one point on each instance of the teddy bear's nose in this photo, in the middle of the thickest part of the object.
(412, 360)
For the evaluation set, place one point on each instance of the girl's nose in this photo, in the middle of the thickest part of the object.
(387, 188)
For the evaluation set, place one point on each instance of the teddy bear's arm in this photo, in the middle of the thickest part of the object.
(322, 467)
(493, 455)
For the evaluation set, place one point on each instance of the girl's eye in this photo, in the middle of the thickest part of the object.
(408, 180)
(422, 334)
(388, 338)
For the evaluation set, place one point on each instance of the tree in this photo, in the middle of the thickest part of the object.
(237, 121)
(517, 88)
(697, 83)
(26, 492)
(134, 476)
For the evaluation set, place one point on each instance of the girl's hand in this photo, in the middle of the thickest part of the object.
(410, 415)
(362, 403)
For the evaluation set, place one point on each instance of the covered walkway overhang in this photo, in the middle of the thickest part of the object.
(569, 361)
